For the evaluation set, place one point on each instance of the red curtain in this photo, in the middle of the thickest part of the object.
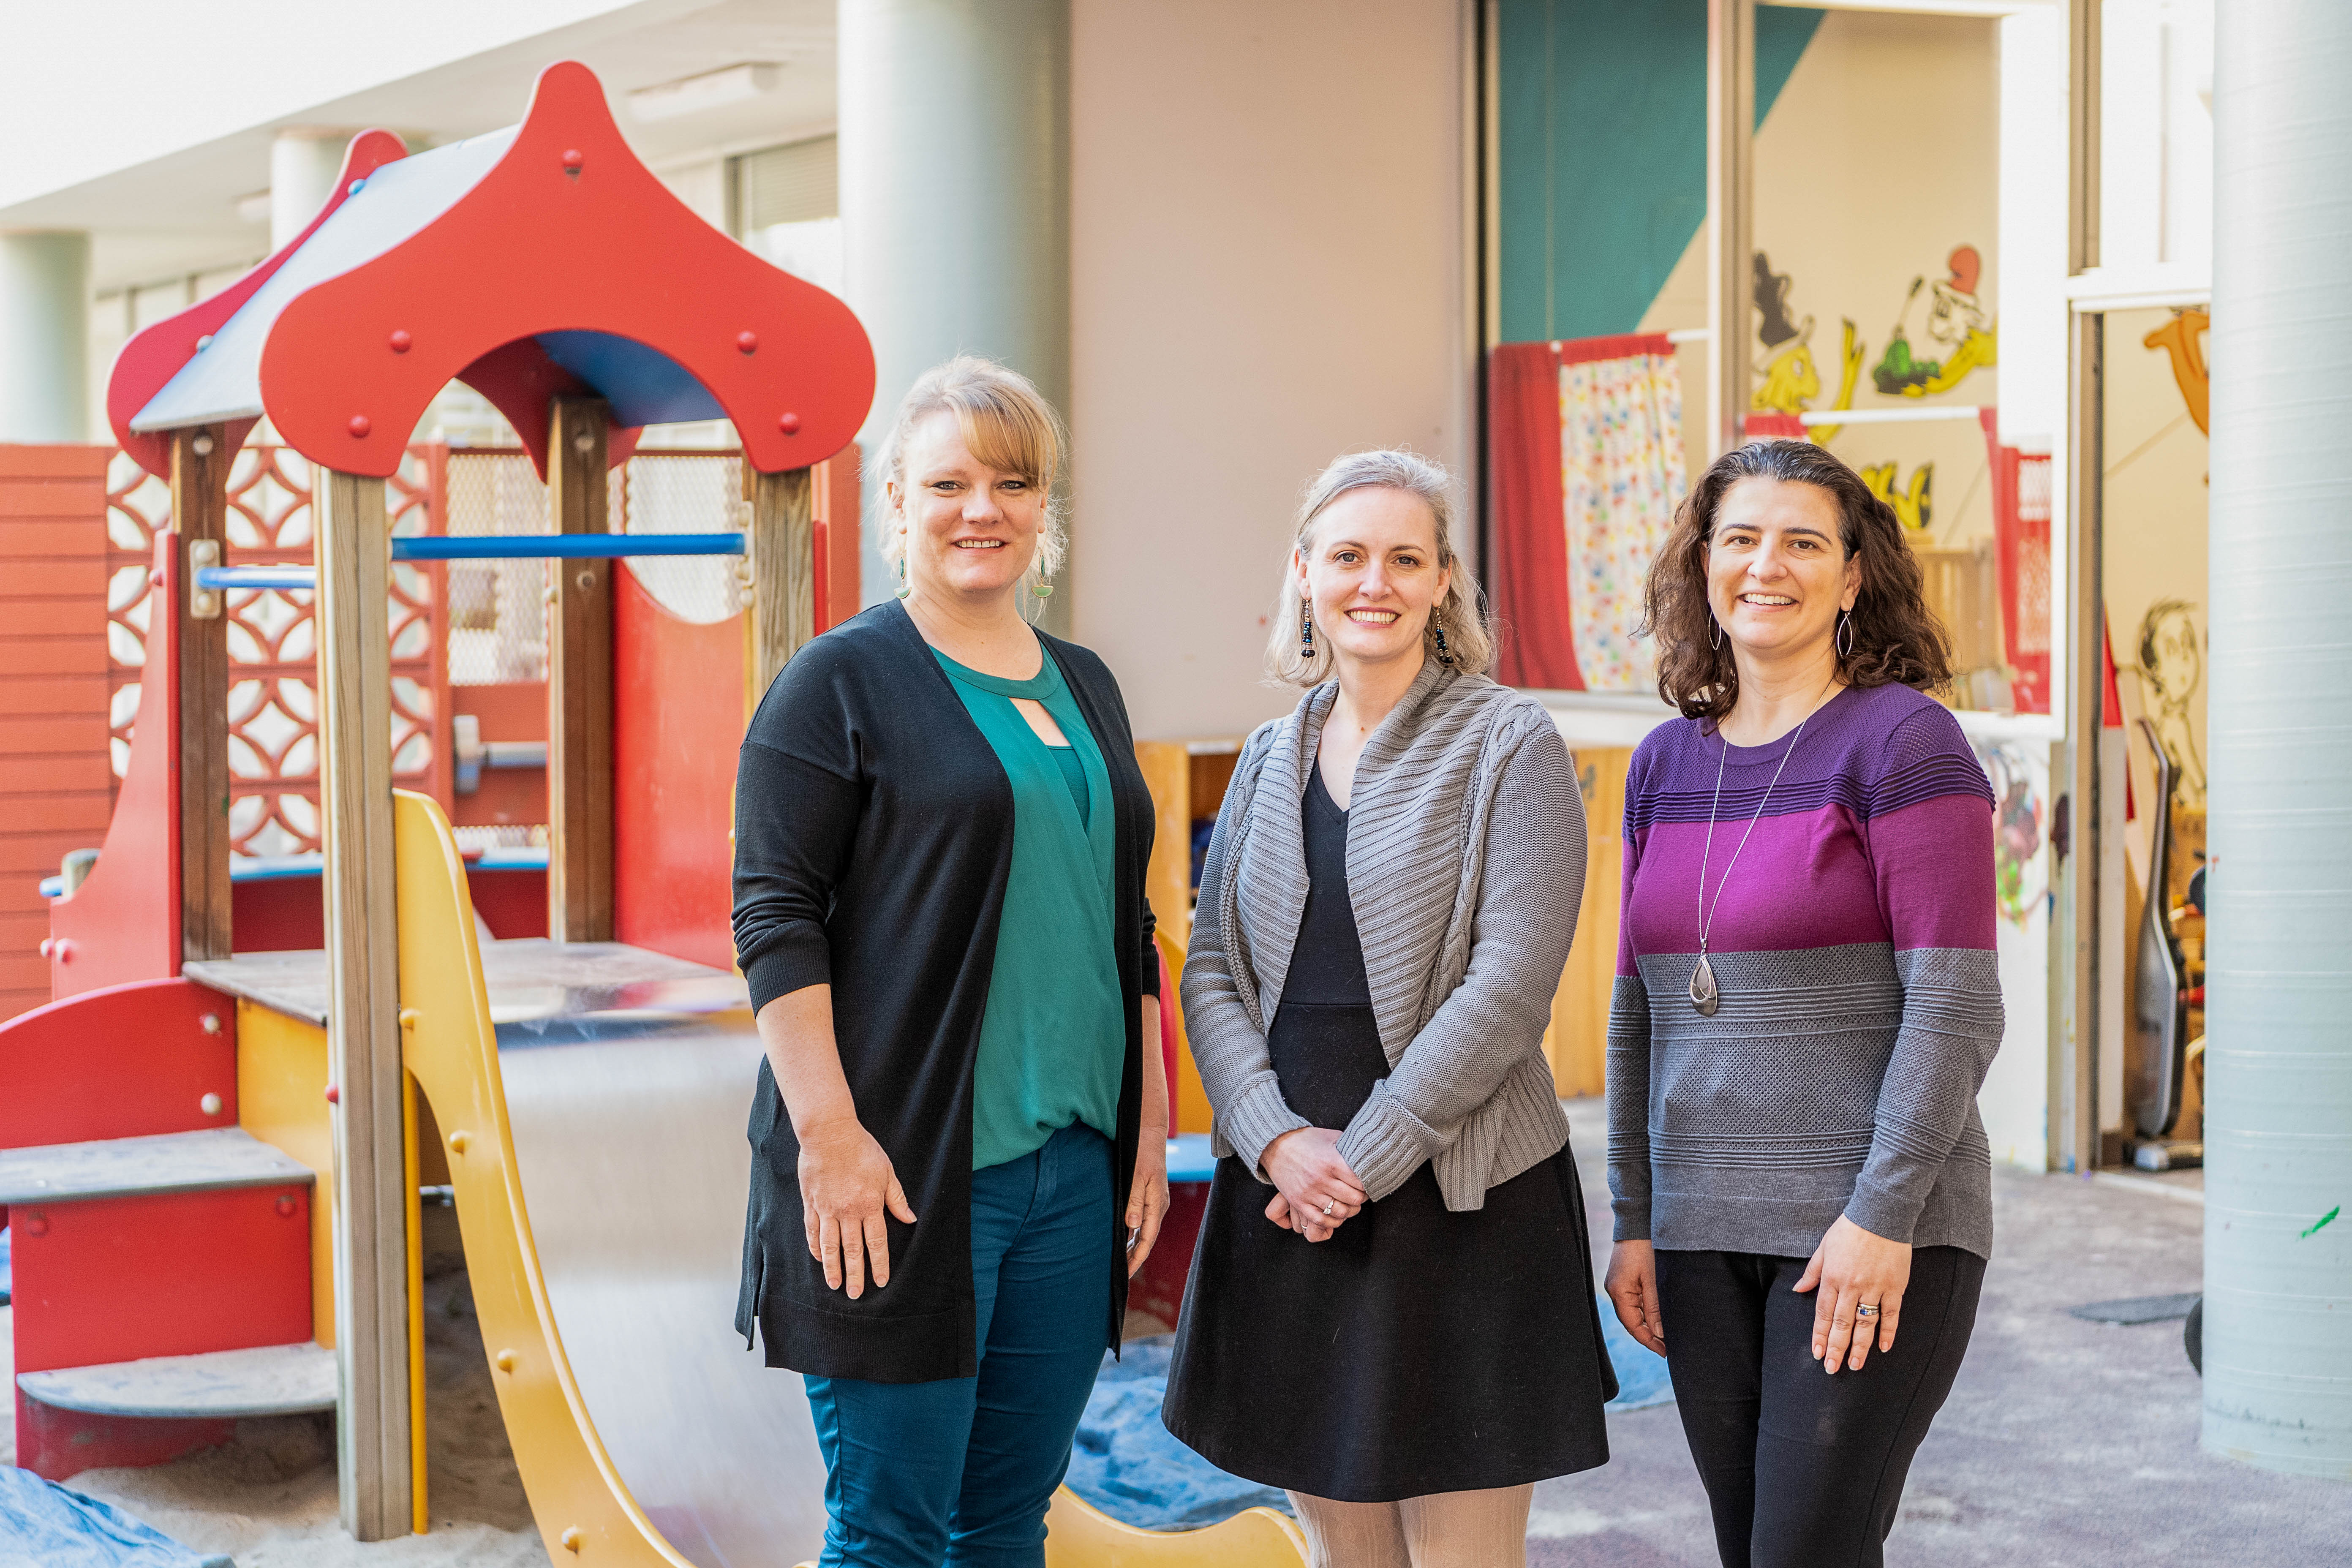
(1529, 571)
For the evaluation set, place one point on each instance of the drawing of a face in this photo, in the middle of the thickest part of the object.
(2168, 653)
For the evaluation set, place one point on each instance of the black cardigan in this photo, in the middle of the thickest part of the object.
(873, 841)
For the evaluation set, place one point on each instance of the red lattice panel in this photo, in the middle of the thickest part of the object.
(273, 643)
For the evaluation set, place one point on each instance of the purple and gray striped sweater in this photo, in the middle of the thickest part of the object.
(1853, 947)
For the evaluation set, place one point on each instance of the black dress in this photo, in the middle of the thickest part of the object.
(1417, 1350)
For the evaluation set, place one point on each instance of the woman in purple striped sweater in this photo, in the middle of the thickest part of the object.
(1806, 1004)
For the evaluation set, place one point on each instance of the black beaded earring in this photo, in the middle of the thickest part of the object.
(1305, 629)
(1445, 655)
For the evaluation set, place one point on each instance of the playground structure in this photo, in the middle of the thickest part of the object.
(256, 1127)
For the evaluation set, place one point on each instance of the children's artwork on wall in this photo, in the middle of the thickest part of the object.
(1588, 470)
(2020, 874)
(1787, 380)
(2183, 339)
(1958, 330)
(2172, 669)
(1913, 500)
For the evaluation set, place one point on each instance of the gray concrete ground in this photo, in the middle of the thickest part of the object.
(2066, 1443)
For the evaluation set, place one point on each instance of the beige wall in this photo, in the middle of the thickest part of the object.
(1267, 268)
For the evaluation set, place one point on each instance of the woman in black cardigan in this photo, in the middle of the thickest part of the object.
(960, 1139)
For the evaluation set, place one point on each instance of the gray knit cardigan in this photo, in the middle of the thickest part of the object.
(1466, 866)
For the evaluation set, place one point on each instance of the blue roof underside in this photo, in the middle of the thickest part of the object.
(224, 382)
(645, 386)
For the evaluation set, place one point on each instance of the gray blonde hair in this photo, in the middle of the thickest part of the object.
(1466, 638)
(1006, 423)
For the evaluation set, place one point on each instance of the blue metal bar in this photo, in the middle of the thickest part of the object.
(213, 579)
(564, 546)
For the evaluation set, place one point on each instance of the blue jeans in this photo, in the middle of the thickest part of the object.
(962, 1471)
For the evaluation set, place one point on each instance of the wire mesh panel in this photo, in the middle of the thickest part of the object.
(498, 609)
(688, 492)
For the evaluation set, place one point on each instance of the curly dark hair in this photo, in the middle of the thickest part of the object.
(1897, 640)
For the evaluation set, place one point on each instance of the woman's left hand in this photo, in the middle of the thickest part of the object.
(1147, 1199)
(1854, 1270)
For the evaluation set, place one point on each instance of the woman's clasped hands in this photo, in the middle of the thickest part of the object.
(1314, 1188)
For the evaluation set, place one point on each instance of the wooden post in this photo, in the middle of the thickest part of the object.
(200, 464)
(782, 542)
(579, 683)
(1730, 200)
(372, 1199)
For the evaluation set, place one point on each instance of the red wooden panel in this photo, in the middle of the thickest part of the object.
(52, 617)
(74, 534)
(30, 696)
(53, 461)
(108, 1280)
(279, 914)
(51, 500)
(122, 1062)
(54, 655)
(511, 903)
(124, 922)
(58, 1444)
(677, 719)
(49, 578)
(54, 732)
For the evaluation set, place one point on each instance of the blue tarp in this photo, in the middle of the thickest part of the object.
(1128, 1465)
(43, 1525)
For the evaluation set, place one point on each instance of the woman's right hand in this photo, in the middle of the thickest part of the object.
(1632, 1287)
(1316, 1186)
(846, 1184)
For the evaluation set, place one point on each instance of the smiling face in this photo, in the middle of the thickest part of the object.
(1776, 569)
(971, 531)
(1370, 570)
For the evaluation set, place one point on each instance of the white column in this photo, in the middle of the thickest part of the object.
(955, 198)
(302, 169)
(2278, 1076)
(45, 336)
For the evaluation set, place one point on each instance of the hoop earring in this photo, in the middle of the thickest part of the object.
(1845, 635)
(1305, 629)
(1714, 633)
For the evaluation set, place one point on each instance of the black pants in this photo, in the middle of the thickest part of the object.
(1803, 1469)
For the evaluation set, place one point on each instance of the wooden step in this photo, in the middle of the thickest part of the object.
(219, 1159)
(272, 1379)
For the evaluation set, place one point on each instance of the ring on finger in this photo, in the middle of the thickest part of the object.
(1326, 1208)
(1866, 1310)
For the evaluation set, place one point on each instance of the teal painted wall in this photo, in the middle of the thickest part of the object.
(1603, 152)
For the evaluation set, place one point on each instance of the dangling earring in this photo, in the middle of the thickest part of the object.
(1715, 633)
(1305, 629)
(905, 587)
(1445, 655)
(1845, 635)
(1041, 588)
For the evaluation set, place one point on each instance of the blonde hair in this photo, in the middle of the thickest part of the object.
(1471, 647)
(1005, 423)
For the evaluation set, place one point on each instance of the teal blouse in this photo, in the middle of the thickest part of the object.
(1052, 1038)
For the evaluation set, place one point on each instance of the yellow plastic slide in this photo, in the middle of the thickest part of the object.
(591, 1100)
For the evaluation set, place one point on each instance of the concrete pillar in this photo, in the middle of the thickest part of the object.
(955, 200)
(45, 336)
(2278, 1077)
(302, 169)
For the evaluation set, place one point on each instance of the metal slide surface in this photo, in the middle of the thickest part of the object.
(628, 1100)
(594, 1098)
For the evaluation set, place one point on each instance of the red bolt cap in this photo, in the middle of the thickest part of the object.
(790, 423)
(37, 1226)
(285, 1205)
(747, 341)
(48, 945)
(65, 950)
(154, 579)
(401, 340)
(573, 160)
(360, 425)
(334, 1094)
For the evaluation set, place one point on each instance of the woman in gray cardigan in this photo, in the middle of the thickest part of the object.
(1391, 1308)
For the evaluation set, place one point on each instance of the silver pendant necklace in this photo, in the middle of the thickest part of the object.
(1704, 995)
